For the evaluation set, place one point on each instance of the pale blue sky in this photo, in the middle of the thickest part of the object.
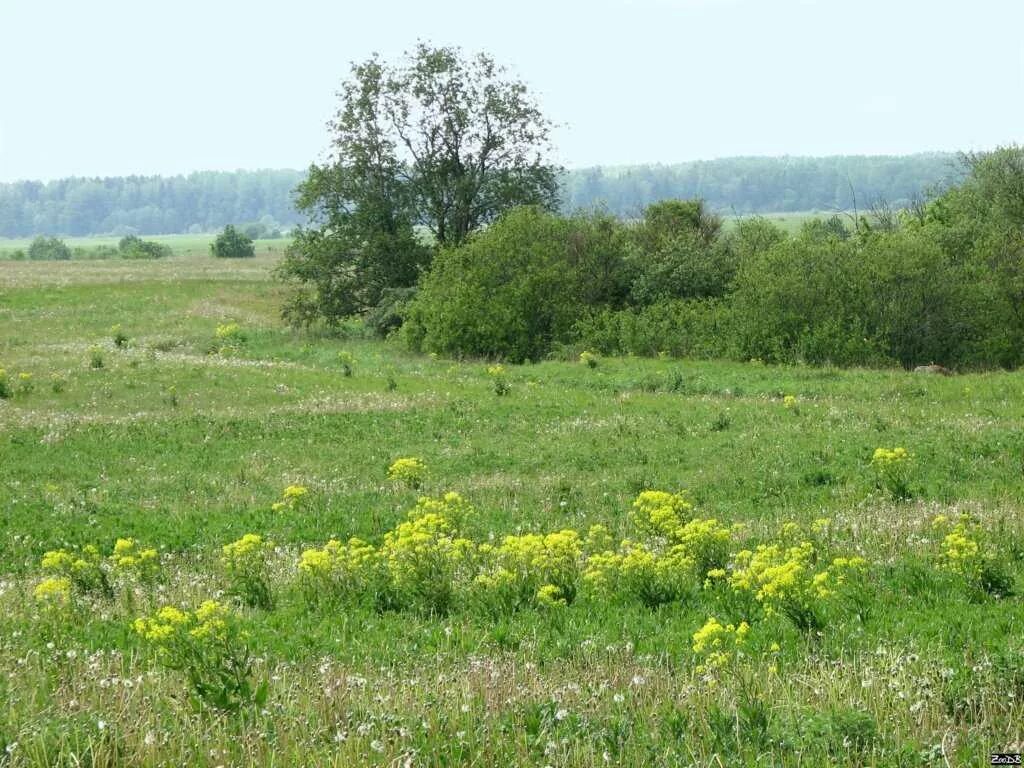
(112, 87)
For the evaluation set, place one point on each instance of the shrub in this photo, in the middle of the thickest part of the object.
(133, 247)
(232, 244)
(515, 290)
(6, 391)
(48, 249)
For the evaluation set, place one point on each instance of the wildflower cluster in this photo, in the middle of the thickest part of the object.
(589, 359)
(425, 560)
(789, 402)
(133, 563)
(246, 566)
(340, 571)
(26, 384)
(119, 336)
(411, 472)
(53, 592)
(501, 385)
(716, 645)
(85, 572)
(83, 569)
(966, 553)
(229, 336)
(530, 569)
(790, 581)
(892, 469)
(209, 647)
(293, 497)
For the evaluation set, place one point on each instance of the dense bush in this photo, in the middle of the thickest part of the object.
(517, 288)
(875, 299)
(132, 247)
(232, 244)
(48, 249)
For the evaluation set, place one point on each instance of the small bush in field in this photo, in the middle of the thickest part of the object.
(95, 357)
(119, 336)
(232, 244)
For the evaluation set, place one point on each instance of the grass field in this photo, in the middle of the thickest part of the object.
(185, 439)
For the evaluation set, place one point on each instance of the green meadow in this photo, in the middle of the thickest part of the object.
(183, 438)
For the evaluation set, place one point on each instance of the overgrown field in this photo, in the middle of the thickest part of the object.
(793, 596)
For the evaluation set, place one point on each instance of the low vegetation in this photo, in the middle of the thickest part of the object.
(384, 557)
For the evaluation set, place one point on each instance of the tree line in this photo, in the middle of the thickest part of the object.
(152, 205)
(206, 201)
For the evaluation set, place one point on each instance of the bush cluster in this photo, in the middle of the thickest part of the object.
(941, 283)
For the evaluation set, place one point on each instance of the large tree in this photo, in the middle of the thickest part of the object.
(437, 141)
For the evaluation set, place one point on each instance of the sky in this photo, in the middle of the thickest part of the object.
(117, 87)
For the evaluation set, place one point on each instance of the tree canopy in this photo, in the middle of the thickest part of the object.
(438, 141)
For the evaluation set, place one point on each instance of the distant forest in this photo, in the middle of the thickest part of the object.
(206, 201)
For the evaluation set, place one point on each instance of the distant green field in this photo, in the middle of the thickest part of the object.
(167, 403)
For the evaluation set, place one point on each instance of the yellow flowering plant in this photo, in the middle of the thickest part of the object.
(789, 581)
(637, 572)
(529, 569)
(82, 567)
(409, 471)
(716, 645)
(292, 497)
(210, 648)
(659, 513)
(54, 592)
(340, 572)
(892, 471)
(425, 560)
(246, 565)
(967, 552)
(589, 359)
(131, 563)
(501, 385)
(347, 363)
